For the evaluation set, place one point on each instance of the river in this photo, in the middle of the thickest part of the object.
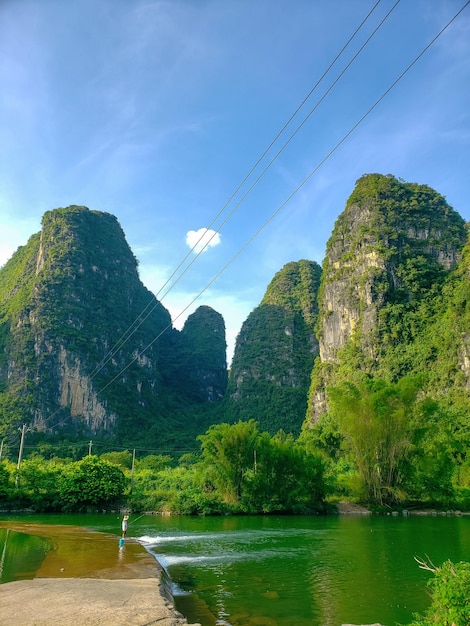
(289, 570)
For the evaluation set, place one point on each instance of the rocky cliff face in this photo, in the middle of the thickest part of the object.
(274, 352)
(85, 347)
(391, 246)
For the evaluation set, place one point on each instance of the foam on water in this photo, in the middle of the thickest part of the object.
(240, 537)
(158, 539)
(169, 560)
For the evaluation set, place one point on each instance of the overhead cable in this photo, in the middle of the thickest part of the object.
(302, 184)
(154, 303)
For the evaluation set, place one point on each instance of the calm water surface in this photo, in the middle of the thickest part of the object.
(293, 571)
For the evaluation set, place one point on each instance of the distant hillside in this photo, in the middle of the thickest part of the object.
(275, 351)
(87, 350)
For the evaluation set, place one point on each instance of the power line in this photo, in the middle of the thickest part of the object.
(111, 447)
(304, 182)
(155, 302)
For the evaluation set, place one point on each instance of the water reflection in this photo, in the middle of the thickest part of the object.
(21, 555)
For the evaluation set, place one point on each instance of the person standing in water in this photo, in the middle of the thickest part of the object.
(124, 525)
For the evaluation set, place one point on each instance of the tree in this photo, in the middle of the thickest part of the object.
(432, 462)
(5, 483)
(154, 462)
(228, 454)
(122, 459)
(374, 418)
(285, 478)
(39, 482)
(258, 473)
(90, 482)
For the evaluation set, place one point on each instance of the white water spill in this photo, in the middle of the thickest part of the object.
(168, 561)
(159, 539)
(210, 548)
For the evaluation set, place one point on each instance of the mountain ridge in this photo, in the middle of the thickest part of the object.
(87, 350)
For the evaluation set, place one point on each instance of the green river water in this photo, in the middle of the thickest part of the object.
(279, 570)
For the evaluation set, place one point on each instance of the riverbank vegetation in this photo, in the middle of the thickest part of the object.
(386, 445)
(381, 445)
(238, 470)
(450, 595)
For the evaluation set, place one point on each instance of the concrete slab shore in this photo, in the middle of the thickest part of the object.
(85, 602)
(85, 580)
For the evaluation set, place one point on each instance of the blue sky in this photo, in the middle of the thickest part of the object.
(155, 111)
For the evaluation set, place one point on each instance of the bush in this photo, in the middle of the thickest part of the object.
(5, 483)
(39, 482)
(450, 593)
(90, 483)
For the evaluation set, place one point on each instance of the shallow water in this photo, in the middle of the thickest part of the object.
(21, 555)
(293, 571)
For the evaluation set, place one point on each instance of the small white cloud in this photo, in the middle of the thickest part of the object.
(203, 239)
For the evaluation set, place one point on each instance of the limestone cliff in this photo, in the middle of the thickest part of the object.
(392, 247)
(85, 348)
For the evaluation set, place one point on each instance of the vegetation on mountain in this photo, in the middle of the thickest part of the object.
(274, 352)
(373, 349)
(204, 371)
(75, 317)
(393, 313)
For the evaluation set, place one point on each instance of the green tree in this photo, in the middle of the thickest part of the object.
(374, 418)
(154, 462)
(5, 483)
(90, 483)
(432, 463)
(256, 473)
(285, 478)
(228, 455)
(39, 482)
(121, 459)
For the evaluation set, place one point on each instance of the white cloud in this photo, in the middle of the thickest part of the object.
(203, 239)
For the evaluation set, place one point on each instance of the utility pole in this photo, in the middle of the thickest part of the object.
(132, 470)
(20, 454)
